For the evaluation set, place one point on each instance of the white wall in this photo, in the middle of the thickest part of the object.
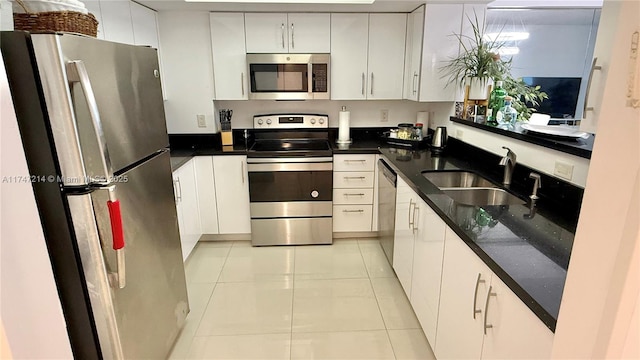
(188, 71)
(363, 113)
(30, 309)
(601, 291)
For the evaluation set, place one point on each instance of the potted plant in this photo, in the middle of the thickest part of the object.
(525, 97)
(478, 63)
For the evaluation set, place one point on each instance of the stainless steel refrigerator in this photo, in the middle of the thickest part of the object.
(91, 117)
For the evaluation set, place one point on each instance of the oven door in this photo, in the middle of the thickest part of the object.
(291, 200)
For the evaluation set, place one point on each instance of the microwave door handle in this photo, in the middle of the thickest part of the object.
(77, 72)
(310, 88)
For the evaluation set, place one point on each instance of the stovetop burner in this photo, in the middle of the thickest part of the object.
(282, 135)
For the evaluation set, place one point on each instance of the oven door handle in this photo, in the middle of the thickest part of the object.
(289, 160)
(273, 167)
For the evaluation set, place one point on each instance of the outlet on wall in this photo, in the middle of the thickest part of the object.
(563, 170)
(201, 121)
(384, 115)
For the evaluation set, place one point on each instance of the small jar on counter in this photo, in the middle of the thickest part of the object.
(417, 131)
(405, 131)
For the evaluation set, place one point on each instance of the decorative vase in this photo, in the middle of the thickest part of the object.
(478, 88)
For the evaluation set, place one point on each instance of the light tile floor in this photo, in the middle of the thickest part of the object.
(307, 302)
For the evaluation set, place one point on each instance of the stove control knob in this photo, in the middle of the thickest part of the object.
(268, 121)
(321, 121)
(260, 121)
(315, 194)
(312, 121)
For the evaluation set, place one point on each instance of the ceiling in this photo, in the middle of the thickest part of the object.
(377, 6)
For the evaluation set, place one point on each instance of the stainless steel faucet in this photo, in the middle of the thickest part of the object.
(536, 185)
(509, 162)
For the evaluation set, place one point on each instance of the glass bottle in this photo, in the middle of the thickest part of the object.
(496, 102)
(507, 115)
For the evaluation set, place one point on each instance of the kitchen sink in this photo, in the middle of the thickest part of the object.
(482, 196)
(457, 179)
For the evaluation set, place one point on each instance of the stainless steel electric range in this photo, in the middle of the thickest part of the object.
(290, 168)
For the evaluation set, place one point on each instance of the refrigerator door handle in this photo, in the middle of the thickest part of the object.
(77, 73)
(117, 231)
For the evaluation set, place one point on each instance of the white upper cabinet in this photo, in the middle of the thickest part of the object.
(386, 56)
(117, 22)
(266, 32)
(309, 33)
(145, 26)
(349, 43)
(367, 56)
(287, 33)
(415, 26)
(229, 56)
(438, 46)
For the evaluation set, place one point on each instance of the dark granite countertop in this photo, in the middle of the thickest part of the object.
(579, 147)
(529, 254)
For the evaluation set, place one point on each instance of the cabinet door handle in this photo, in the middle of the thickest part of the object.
(594, 67)
(353, 211)
(179, 189)
(354, 177)
(371, 83)
(242, 170)
(475, 296)
(363, 84)
(416, 208)
(355, 160)
(415, 82)
(242, 82)
(282, 31)
(486, 310)
(359, 194)
(293, 41)
(410, 211)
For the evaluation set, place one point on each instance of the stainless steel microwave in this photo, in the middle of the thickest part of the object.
(289, 76)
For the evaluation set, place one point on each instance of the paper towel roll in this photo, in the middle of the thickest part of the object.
(423, 117)
(343, 126)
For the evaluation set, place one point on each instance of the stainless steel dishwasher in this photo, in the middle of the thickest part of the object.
(386, 207)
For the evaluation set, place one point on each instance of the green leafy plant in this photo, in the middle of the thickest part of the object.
(478, 57)
(525, 97)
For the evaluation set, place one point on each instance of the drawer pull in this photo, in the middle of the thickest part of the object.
(354, 177)
(353, 211)
(360, 194)
(475, 296)
(486, 310)
(355, 160)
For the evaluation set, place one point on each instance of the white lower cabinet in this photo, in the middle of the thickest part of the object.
(428, 252)
(232, 194)
(353, 192)
(186, 196)
(206, 194)
(404, 234)
(479, 316)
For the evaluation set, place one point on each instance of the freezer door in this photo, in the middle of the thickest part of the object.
(125, 80)
(151, 308)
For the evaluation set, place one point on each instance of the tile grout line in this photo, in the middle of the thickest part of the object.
(215, 285)
(293, 291)
(377, 302)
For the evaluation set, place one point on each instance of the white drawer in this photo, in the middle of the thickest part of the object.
(352, 218)
(353, 196)
(355, 162)
(352, 179)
